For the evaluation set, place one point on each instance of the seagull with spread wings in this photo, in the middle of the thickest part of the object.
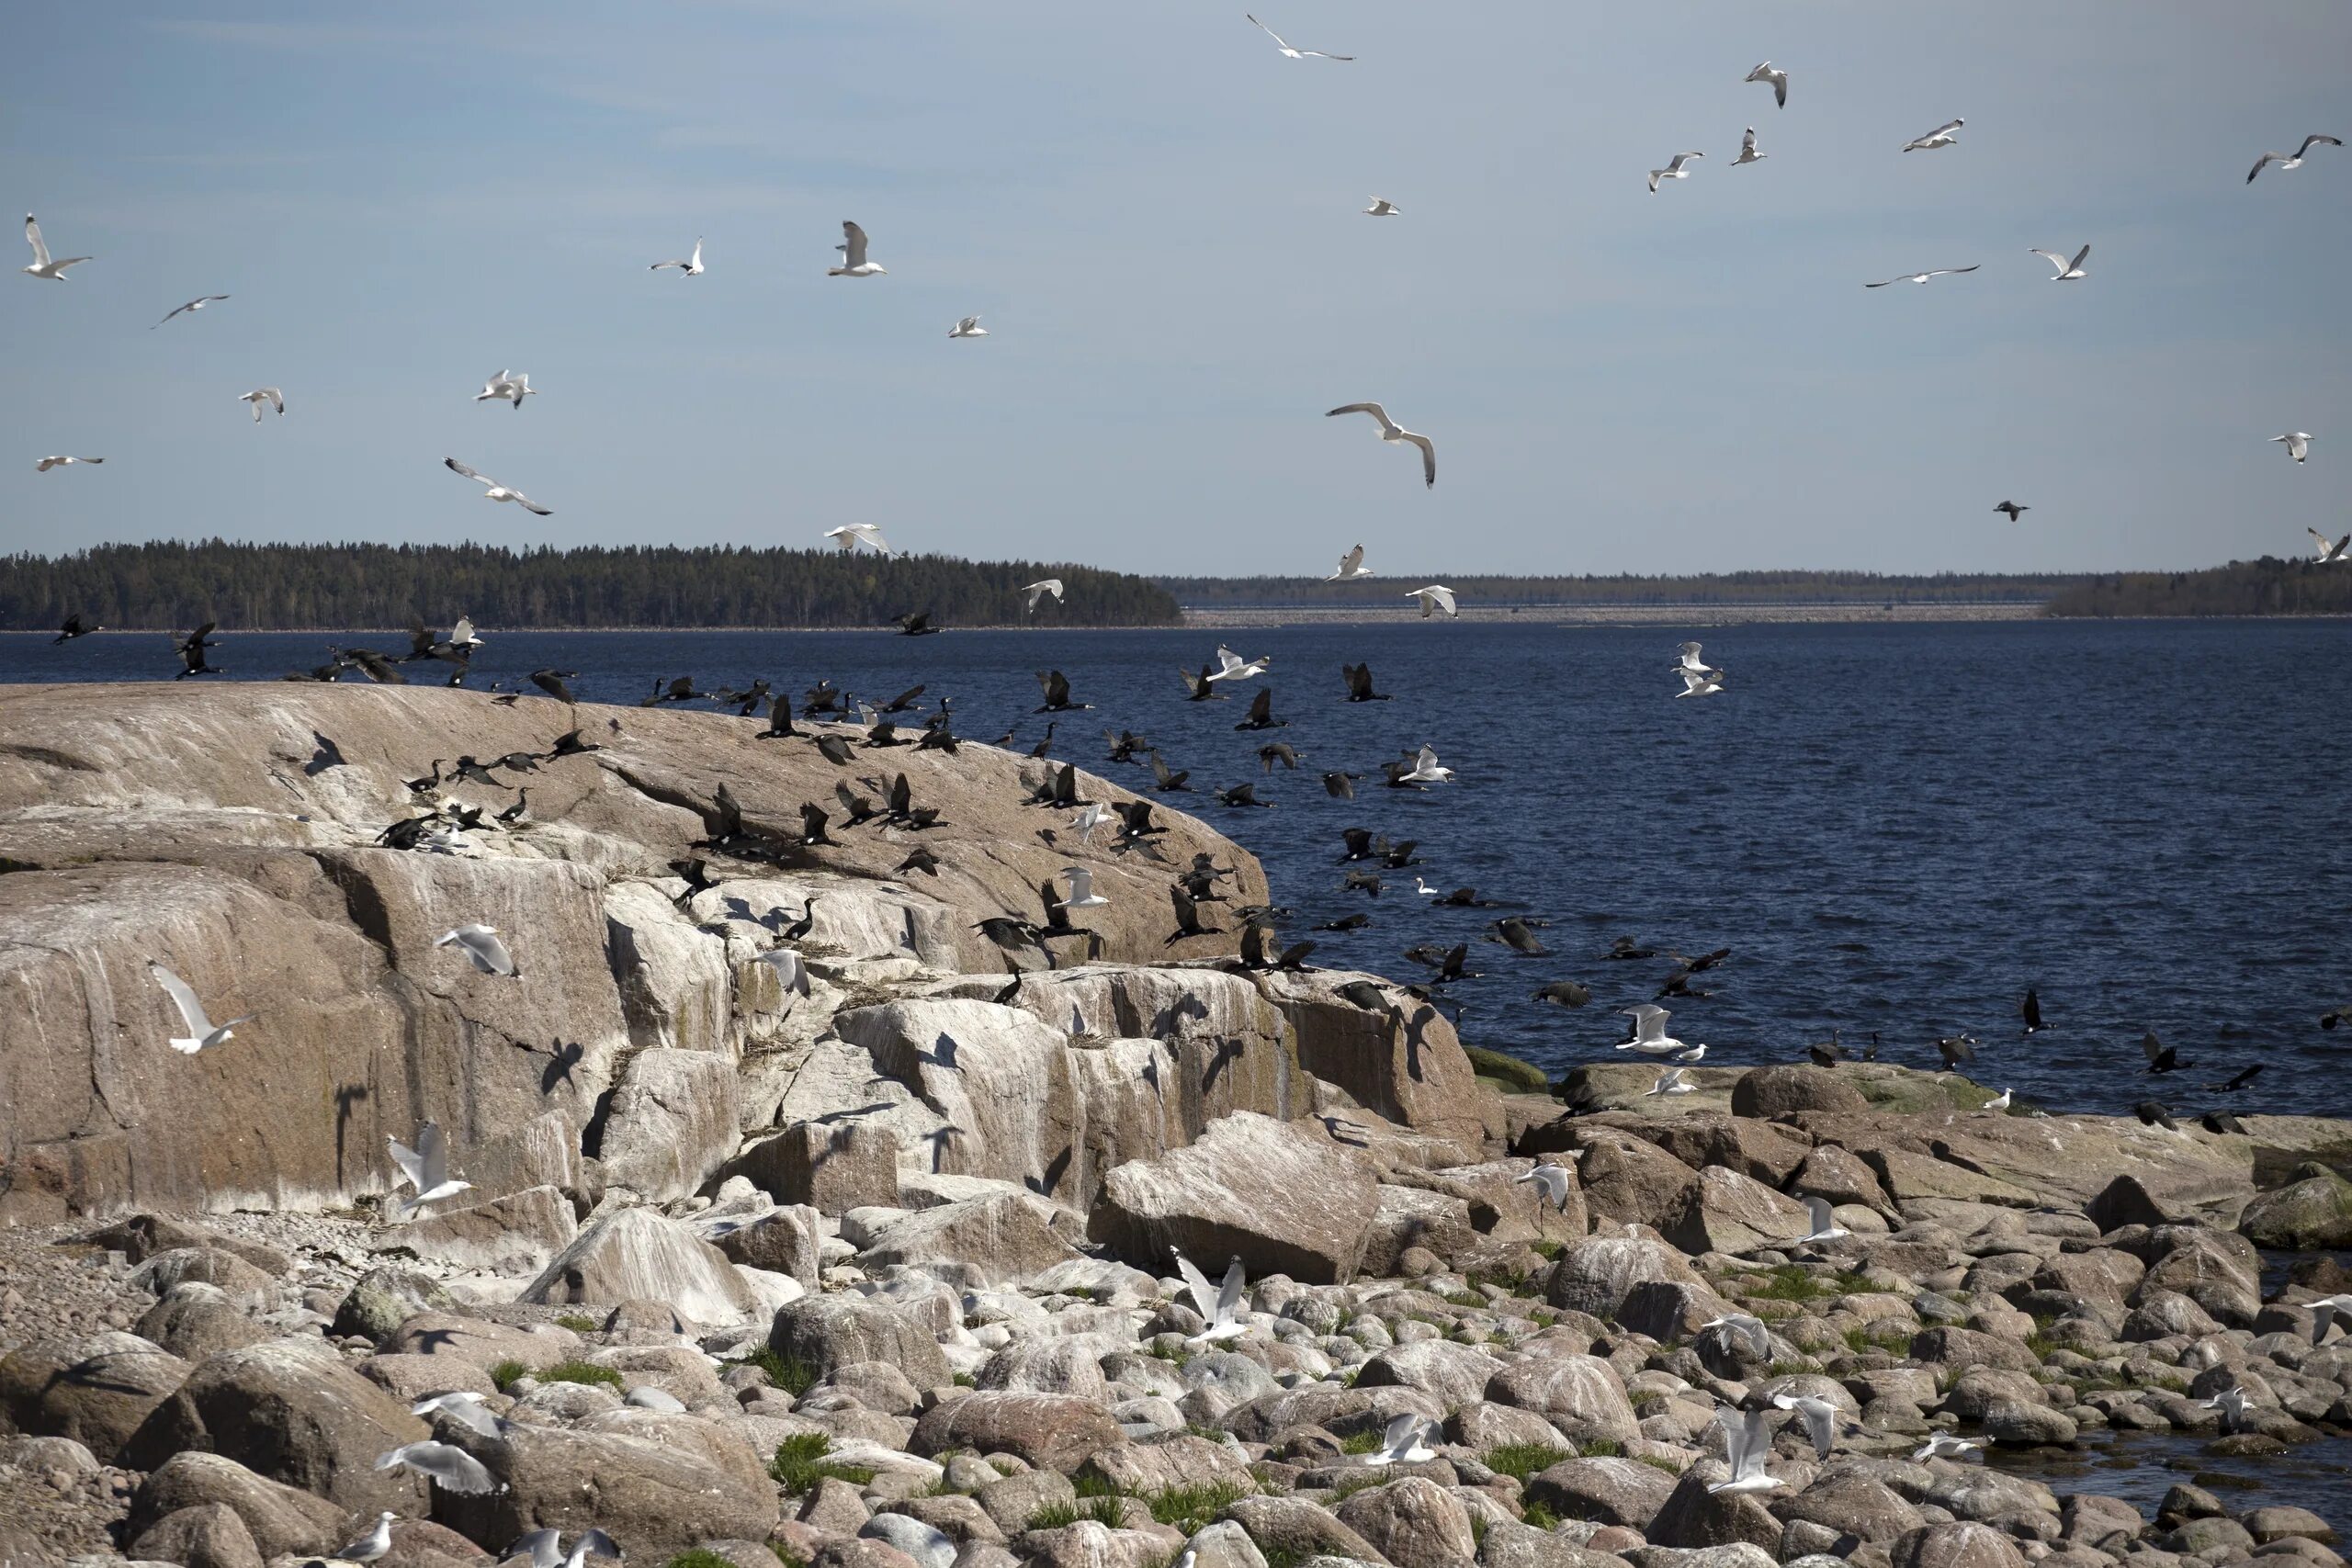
(505, 385)
(2068, 270)
(202, 1033)
(261, 395)
(1923, 276)
(1394, 432)
(1288, 52)
(2284, 160)
(1221, 1308)
(1940, 136)
(967, 327)
(1780, 80)
(690, 268)
(1677, 168)
(1748, 152)
(1352, 568)
(497, 491)
(852, 250)
(2330, 555)
(1435, 597)
(196, 304)
(54, 271)
(2297, 442)
(849, 535)
(427, 1167)
(45, 464)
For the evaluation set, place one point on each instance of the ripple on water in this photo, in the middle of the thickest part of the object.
(2140, 1468)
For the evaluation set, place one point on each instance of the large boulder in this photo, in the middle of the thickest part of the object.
(1730, 1212)
(479, 1343)
(1608, 1491)
(280, 1519)
(1789, 1086)
(1054, 1431)
(638, 1254)
(671, 1122)
(1597, 1274)
(824, 1332)
(1961, 1544)
(209, 1535)
(1402, 1061)
(2302, 1216)
(1007, 1237)
(1279, 1196)
(96, 1391)
(831, 1167)
(1632, 1181)
(1581, 1395)
(1694, 1516)
(1411, 1217)
(1415, 1522)
(509, 1234)
(196, 1320)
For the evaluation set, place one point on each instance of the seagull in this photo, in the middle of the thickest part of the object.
(1746, 1444)
(2231, 1403)
(791, 971)
(1233, 667)
(1082, 889)
(2326, 1310)
(497, 491)
(1392, 432)
(261, 395)
(1221, 1307)
(1670, 1082)
(1943, 1445)
(48, 463)
(1650, 1037)
(1820, 1419)
(1999, 1102)
(1042, 587)
(1425, 769)
(465, 1407)
(196, 304)
(42, 266)
(1351, 566)
(1825, 1225)
(481, 945)
(968, 327)
(1401, 1443)
(374, 1544)
(451, 1469)
(2298, 442)
(509, 386)
(849, 535)
(1550, 1181)
(1288, 52)
(2329, 554)
(2029, 1011)
(1743, 1326)
(2068, 270)
(1698, 683)
(1923, 276)
(427, 1170)
(202, 1033)
(690, 268)
(1383, 207)
(1674, 169)
(2284, 160)
(545, 1549)
(1748, 152)
(1690, 661)
(1436, 596)
(2013, 509)
(852, 248)
(1780, 80)
(1940, 136)
(1086, 821)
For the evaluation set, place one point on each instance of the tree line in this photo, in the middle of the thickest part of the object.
(1713, 588)
(286, 587)
(2266, 586)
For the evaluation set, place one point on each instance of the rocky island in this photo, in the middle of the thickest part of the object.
(826, 1189)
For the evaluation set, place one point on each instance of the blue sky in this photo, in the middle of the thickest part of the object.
(1158, 217)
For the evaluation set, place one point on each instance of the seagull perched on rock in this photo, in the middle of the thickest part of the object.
(2013, 510)
(372, 1546)
(496, 492)
(1780, 80)
(1288, 52)
(1351, 568)
(1748, 152)
(690, 268)
(195, 304)
(1940, 136)
(202, 1033)
(2297, 442)
(1436, 596)
(1220, 1308)
(968, 327)
(480, 945)
(2327, 553)
(852, 250)
(1402, 1442)
(1383, 207)
(1390, 431)
(2068, 270)
(1825, 1225)
(1746, 1445)
(451, 1469)
(261, 395)
(849, 535)
(1676, 169)
(48, 463)
(1923, 276)
(42, 265)
(427, 1168)
(1039, 588)
(2284, 160)
(514, 388)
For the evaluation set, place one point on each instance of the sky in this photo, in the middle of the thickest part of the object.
(1159, 221)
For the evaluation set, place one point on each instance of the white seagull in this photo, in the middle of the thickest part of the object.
(1742, 1326)
(374, 1544)
(2329, 555)
(261, 395)
(497, 491)
(466, 1408)
(1820, 1417)
(1086, 821)
(1780, 80)
(545, 1549)
(2068, 270)
(1402, 1442)
(427, 1167)
(852, 250)
(1391, 431)
(690, 268)
(1701, 683)
(1650, 1037)
(1233, 667)
(1696, 1052)
(968, 327)
(849, 535)
(1940, 136)
(1436, 596)
(2233, 1403)
(791, 970)
(2298, 442)
(1670, 1082)
(1042, 587)
(1551, 1184)
(1690, 661)
(1426, 768)
(1674, 169)
(2326, 1310)
(514, 388)
(1082, 889)
(1999, 1102)
(1746, 1444)
(1221, 1307)
(1288, 52)
(42, 266)
(202, 1033)
(2284, 160)
(481, 945)
(196, 304)
(1351, 566)
(1748, 152)
(451, 1469)
(48, 463)
(1923, 276)
(1825, 1225)
(1943, 1445)
(1383, 207)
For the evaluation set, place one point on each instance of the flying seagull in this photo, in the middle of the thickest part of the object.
(1391, 431)
(1436, 596)
(690, 268)
(1780, 80)
(2327, 1309)
(2013, 509)
(1042, 587)
(1748, 152)
(1650, 1037)
(1741, 1326)
(1401, 1443)
(196, 304)
(1383, 207)
(1351, 566)
(1940, 136)
(202, 1033)
(1943, 1445)
(545, 1549)
(261, 395)
(849, 535)
(852, 248)
(1923, 276)
(480, 945)
(497, 491)
(1701, 683)
(451, 1469)
(1820, 1419)
(1426, 768)
(2284, 160)
(2329, 555)
(1551, 1184)
(427, 1167)
(42, 266)
(1746, 1444)
(1690, 661)
(1233, 667)
(1220, 1307)
(791, 970)
(2297, 444)
(1825, 1225)
(968, 327)
(509, 386)
(48, 463)
(2068, 270)
(1288, 52)
(1674, 170)
(1082, 889)
(463, 1407)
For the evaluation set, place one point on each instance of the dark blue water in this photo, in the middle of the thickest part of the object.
(1895, 829)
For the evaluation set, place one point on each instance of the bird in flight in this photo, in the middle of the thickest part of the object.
(1780, 80)
(2329, 555)
(2013, 509)
(48, 463)
(1436, 596)
(480, 945)
(1383, 207)
(192, 305)
(2298, 442)
(1748, 152)
(426, 1167)
(968, 327)
(202, 1033)
(1288, 52)
(1390, 431)
(261, 395)
(2068, 270)
(1940, 136)
(690, 268)
(1923, 276)
(497, 491)
(1746, 1445)
(1351, 566)
(1233, 667)
(1700, 683)
(1674, 169)
(1039, 588)
(1400, 1442)
(849, 535)
(2284, 160)
(852, 250)
(42, 265)
(509, 386)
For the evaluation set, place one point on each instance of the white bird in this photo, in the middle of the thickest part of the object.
(2297, 444)
(1220, 1307)
(509, 386)
(1650, 1037)
(2326, 1310)
(1999, 1102)
(690, 268)
(1674, 169)
(1820, 1417)
(466, 1408)
(1351, 566)
(261, 395)
(374, 1544)
(1670, 1082)
(2329, 554)
(1288, 52)
(1436, 596)
(2284, 160)
(645, 1396)
(849, 535)
(545, 1549)
(2233, 1403)
(1233, 667)
(1701, 683)
(480, 945)
(791, 970)
(1082, 889)
(42, 266)
(1943, 1445)
(1424, 889)
(1426, 768)
(1825, 1225)
(1743, 1326)
(1390, 431)
(451, 1469)
(1695, 1053)
(1940, 136)
(48, 463)
(1748, 152)
(195, 304)
(2068, 270)
(202, 1033)
(1780, 80)
(1042, 587)
(1383, 207)
(1923, 276)
(1086, 821)
(1746, 1445)
(497, 491)
(1690, 661)
(1552, 1183)
(1402, 1444)
(427, 1167)
(852, 250)
(462, 634)
(968, 327)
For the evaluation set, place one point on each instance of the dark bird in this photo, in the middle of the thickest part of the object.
(822, 697)
(1135, 820)
(409, 832)
(1359, 679)
(834, 750)
(904, 700)
(1513, 934)
(191, 651)
(1677, 984)
(798, 930)
(473, 772)
(1341, 786)
(372, 664)
(916, 625)
(1451, 969)
(516, 812)
(1055, 687)
(1044, 746)
(2156, 1113)
(1364, 994)
(1243, 794)
(860, 810)
(2334, 1016)
(697, 875)
(1014, 936)
(938, 737)
(1626, 947)
(1463, 898)
(1563, 993)
(429, 783)
(813, 822)
(551, 682)
(1276, 751)
(2013, 509)
(568, 744)
(1188, 918)
(1198, 688)
(1261, 712)
(779, 720)
(1399, 855)
(1346, 923)
(1827, 1052)
(2162, 1058)
(518, 762)
(901, 806)
(1364, 881)
(1004, 997)
(1126, 744)
(2030, 1009)
(74, 627)
(883, 733)
(1704, 961)
(919, 859)
(2238, 1081)
(2221, 1122)
(1956, 1049)
(1359, 845)
(1165, 779)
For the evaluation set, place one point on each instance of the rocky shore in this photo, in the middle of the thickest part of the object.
(884, 1276)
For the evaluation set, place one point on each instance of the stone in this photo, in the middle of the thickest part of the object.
(1731, 1213)
(825, 1331)
(1165, 1464)
(1008, 1237)
(480, 1343)
(1832, 1172)
(2203, 1266)
(1787, 1087)
(928, 1546)
(195, 1320)
(1293, 1529)
(860, 1553)
(97, 1390)
(1963, 1348)
(782, 1241)
(1414, 1523)
(209, 1535)
(384, 1298)
(1281, 1199)
(1579, 1395)
(1694, 1517)
(279, 1519)
(2277, 1521)
(636, 1253)
(1224, 1544)
(2126, 1200)
(831, 1168)
(510, 1234)
(1632, 1181)
(1502, 1207)
(671, 1122)
(1046, 1366)
(1962, 1544)
(1057, 1432)
(1408, 1217)
(1403, 1064)
(2310, 1216)
(1670, 1309)
(240, 1280)
(1595, 1275)
(1608, 1491)
(2015, 1424)
(659, 1483)
(1455, 1374)
(1854, 1502)
(1009, 1503)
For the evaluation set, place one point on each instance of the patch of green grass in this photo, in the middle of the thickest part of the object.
(1194, 1507)
(1539, 1515)
(790, 1373)
(1519, 1460)
(582, 1371)
(1288, 1554)
(1600, 1447)
(1358, 1442)
(1110, 1510)
(966, 1379)
(800, 1463)
(1096, 1486)
(699, 1558)
(1643, 1399)
(507, 1371)
(1052, 1516)
(1468, 1298)
(577, 1323)
(1870, 1337)
(1348, 1485)
(1787, 1368)
(1159, 1352)
(2041, 1343)
(1657, 1464)
(1546, 1247)
(786, 1556)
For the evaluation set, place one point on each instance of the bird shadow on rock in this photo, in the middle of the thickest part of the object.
(328, 755)
(567, 1055)
(1046, 1185)
(1227, 1051)
(345, 1098)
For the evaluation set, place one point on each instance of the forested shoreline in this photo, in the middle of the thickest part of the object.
(1786, 587)
(2266, 586)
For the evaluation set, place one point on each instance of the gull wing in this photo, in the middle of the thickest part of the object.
(1426, 760)
(854, 249)
(1375, 410)
(2259, 165)
(1194, 1281)
(1442, 595)
(1265, 30)
(1428, 457)
(2320, 540)
(2308, 141)
(1818, 1207)
(451, 1469)
(191, 1011)
(433, 1156)
(1081, 883)
(544, 1548)
(482, 940)
(1228, 1295)
(454, 466)
(527, 504)
(1780, 80)
(32, 236)
(2057, 261)
(1401, 1433)
(2080, 257)
(412, 1164)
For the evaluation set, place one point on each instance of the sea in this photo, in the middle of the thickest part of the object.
(1896, 830)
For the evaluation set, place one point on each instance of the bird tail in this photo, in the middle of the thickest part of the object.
(188, 1047)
